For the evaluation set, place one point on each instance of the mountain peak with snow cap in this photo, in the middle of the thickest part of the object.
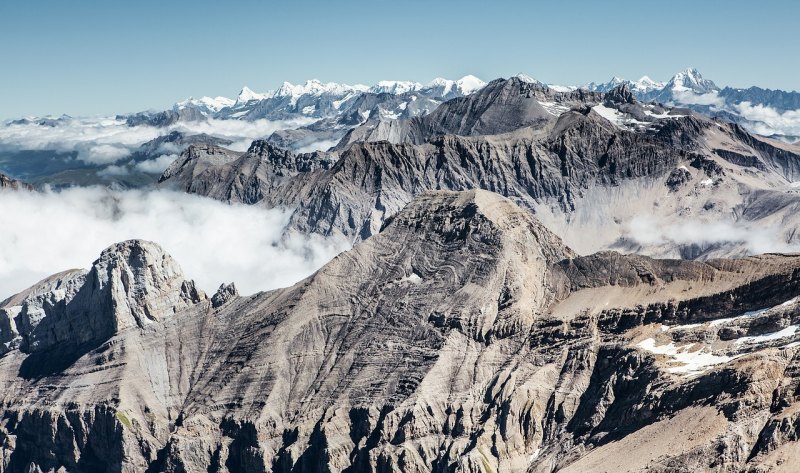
(691, 79)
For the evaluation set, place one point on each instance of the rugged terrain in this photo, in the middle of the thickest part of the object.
(464, 336)
(589, 165)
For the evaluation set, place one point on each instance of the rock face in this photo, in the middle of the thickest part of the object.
(464, 336)
(132, 284)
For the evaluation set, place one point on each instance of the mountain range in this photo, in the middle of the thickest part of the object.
(539, 278)
(317, 116)
(589, 164)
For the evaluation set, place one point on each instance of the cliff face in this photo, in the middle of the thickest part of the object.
(463, 336)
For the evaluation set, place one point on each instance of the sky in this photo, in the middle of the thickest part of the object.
(91, 57)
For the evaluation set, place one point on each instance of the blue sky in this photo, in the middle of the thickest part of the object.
(104, 57)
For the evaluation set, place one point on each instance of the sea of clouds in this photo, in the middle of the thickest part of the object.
(105, 141)
(214, 242)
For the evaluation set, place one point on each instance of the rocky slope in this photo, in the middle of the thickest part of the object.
(462, 337)
(502, 106)
(588, 173)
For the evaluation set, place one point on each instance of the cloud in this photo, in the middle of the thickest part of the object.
(769, 121)
(109, 140)
(103, 154)
(114, 170)
(214, 242)
(755, 238)
(323, 145)
(241, 132)
(691, 98)
(157, 165)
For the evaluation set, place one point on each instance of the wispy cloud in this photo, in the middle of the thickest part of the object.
(755, 238)
(768, 121)
(47, 232)
(691, 98)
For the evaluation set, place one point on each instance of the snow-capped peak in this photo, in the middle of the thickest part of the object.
(691, 79)
(469, 84)
(646, 84)
(526, 78)
(395, 87)
(205, 104)
(315, 87)
(247, 95)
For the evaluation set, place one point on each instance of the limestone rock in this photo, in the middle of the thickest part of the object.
(464, 336)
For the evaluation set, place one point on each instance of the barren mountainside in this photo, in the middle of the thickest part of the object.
(464, 336)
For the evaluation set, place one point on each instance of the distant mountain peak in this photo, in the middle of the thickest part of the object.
(691, 79)
(247, 95)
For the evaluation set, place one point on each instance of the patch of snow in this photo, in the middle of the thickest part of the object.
(534, 455)
(619, 119)
(308, 110)
(751, 313)
(412, 278)
(707, 182)
(792, 345)
(561, 88)
(648, 110)
(554, 108)
(787, 332)
(684, 327)
(691, 362)
(526, 78)
(388, 115)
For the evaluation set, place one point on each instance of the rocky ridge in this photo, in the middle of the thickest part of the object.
(463, 337)
(598, 164)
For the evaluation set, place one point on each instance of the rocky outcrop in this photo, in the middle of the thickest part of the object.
(131, 285)
(464, 336)
(9, 183)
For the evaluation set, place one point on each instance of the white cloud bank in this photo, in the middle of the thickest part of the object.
(756, 238)
(214, 242)
(760, 119)
(108, 140)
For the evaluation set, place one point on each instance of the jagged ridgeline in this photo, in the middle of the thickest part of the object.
(586, 163)
(479, 322)
(462, 336)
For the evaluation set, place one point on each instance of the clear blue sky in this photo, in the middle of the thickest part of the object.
(103, 57)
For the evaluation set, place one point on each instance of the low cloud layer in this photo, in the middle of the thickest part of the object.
(109, 140)
(761, 119)
(44, 233)
(767, 120)
(689, 97)
(754, 238)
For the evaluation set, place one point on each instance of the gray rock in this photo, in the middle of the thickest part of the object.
(464, 336)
